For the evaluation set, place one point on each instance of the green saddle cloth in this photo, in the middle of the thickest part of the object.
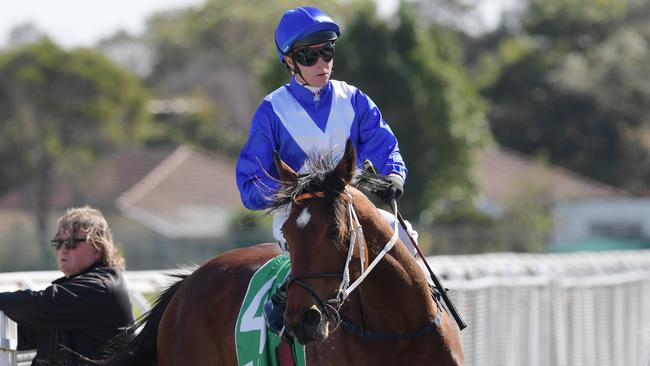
(255, 344)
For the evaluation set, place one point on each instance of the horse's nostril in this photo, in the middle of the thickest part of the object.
(311, 318)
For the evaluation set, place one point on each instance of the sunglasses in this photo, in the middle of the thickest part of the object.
(70, 244)
(309, 56)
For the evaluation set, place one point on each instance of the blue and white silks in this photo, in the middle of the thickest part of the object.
(295, 122)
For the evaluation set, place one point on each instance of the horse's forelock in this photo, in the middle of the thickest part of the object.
(321, 176)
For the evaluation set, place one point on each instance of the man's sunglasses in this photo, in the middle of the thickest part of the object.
(69, 244)
(309, 56)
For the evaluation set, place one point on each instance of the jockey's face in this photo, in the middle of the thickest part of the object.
(316, 75)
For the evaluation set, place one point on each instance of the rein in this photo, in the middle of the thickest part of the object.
(331, 308)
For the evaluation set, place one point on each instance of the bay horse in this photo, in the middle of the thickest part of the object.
(356, 296)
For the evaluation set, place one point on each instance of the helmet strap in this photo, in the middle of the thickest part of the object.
(296, 70)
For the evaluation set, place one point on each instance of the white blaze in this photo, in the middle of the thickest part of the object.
(303, 218)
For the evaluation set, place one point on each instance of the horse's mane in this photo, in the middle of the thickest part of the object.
(372, 184)
(321, 176)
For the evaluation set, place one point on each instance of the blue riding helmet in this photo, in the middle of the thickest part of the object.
(304, 26)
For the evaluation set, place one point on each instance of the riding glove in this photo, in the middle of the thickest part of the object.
(396, 187)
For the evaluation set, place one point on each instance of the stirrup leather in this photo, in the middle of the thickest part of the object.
(274, 308)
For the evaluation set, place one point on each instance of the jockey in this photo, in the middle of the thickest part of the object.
(312, 113)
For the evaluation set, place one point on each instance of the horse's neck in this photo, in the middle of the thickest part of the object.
(398, 287)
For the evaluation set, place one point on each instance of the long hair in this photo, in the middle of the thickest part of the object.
(91, 223)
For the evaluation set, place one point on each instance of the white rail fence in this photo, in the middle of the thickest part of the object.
(139, 283)
(7, 341)
(552, 309)
(522, 309)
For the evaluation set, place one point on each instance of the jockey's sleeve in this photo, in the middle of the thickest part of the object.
(375, 140)
(256, 172)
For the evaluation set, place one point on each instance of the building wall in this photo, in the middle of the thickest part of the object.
(621, 218)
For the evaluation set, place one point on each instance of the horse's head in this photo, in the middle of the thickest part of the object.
(318, 237)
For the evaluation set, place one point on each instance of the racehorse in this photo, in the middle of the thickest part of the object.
(355, 294)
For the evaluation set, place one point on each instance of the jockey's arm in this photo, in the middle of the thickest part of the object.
(375, 139)
(255, 167)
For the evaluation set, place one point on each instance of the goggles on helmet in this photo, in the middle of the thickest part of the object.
(308, 56)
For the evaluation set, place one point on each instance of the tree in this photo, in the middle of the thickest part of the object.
(572, 86)
(218, 49)
(413, 73)
(23, 34)
(193, 120)
(59, 111)
(423, 91)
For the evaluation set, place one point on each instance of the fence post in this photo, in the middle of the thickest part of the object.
(8, 341)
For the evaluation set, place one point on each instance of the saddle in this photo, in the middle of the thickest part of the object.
(255, 342)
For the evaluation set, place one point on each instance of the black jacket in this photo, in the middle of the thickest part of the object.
(82, 313)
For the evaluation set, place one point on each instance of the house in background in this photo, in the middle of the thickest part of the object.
(179, 205)
(187, 195)
(166, 207)
(502, 172)
(586, 215)
(602, 224)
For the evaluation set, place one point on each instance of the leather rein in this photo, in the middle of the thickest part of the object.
(332, 307)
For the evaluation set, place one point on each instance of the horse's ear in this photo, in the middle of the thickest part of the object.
(347, 164)
(286, 173)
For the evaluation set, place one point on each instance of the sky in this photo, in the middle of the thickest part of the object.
(76, 23)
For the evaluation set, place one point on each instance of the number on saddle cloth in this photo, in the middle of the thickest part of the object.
(256, 346)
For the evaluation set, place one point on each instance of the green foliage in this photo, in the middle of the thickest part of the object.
(20, 249)
(576, 91)
(194, 121)
(577, 21)
(524, 224)
(60, 110)
(218, 48)
(412, 73)
(65, 106)
(532, 115)
(528, 210)
(240, 31)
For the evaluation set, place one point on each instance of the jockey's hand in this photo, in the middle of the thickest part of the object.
(396, 188)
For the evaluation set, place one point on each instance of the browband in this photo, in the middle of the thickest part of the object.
(306, 196)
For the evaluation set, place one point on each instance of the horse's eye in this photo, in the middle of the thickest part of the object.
(334, 231)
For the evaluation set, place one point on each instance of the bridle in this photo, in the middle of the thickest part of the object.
(331, 307)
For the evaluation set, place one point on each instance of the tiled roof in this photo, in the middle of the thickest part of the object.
(502, 173)
(181, 192)
(121, 171)
(189, 194)
(99, 186)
